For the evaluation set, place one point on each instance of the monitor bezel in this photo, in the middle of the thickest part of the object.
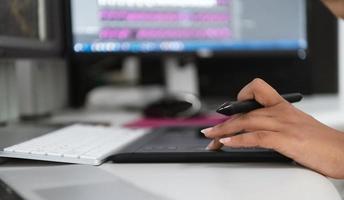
(14, 47)
(297, 53)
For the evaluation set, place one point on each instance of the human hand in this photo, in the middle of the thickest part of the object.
(284, 128)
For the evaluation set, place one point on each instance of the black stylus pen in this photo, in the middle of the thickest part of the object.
(235, 107)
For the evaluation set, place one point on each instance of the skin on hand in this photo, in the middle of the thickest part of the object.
(284, 128)
(336, 6)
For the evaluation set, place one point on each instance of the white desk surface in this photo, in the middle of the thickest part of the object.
(238, 181)
(245, 181)
(219, 181)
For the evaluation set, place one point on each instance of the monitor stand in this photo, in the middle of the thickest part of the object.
(181, 75)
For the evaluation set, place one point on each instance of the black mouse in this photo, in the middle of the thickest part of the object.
(174, 106)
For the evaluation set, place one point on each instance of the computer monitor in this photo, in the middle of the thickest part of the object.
(195, 27)
(272, 39)
(30, 28)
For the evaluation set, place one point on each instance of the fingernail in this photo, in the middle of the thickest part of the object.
(210, 145)
(206, 131)
(225, 140)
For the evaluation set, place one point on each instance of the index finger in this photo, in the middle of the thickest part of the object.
(260, 91)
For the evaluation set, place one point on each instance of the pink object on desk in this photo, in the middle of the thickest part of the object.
(209, 120)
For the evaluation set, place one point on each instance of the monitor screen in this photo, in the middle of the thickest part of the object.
(28, 27)
(19, 19)
(188, 25)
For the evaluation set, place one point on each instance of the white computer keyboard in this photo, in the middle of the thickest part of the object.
(82, 144)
